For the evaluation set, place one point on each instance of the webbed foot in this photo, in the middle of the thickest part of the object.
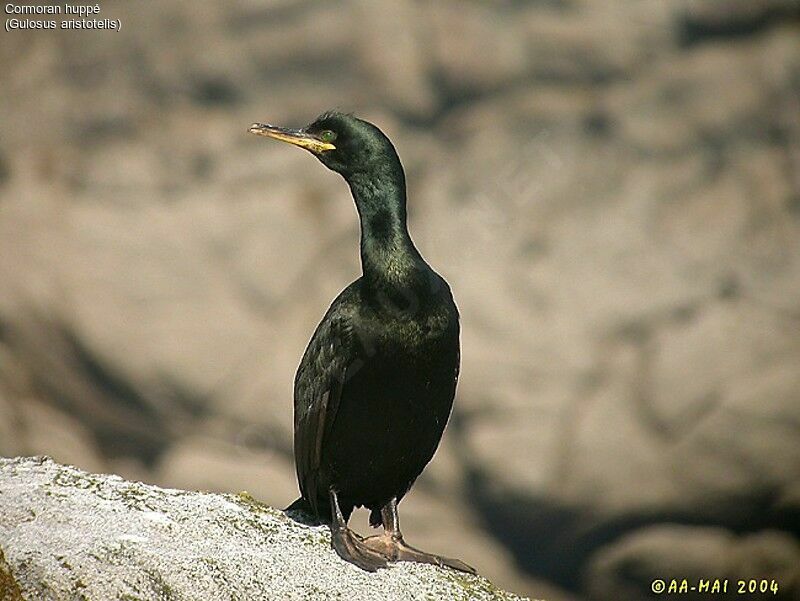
(396, 549)
(350, 547)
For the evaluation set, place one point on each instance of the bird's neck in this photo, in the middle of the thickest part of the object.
(389, 258)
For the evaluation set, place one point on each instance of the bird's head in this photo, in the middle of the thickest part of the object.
(342, 142)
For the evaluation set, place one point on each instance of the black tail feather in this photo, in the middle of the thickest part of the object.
(375, 518)
(304, 513)
(301, 505)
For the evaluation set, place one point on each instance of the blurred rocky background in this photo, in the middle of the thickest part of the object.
(611, 188)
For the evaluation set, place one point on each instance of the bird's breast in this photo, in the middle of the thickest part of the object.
(424, 333)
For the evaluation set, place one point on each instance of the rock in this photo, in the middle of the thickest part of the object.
(67, 533)
(9, 589)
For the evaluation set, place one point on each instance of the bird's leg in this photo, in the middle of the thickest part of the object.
(348, 545)
(392, 545)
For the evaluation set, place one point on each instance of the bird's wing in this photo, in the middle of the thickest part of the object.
(317, 392)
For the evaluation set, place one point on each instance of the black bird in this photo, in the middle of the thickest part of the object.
(375, 387)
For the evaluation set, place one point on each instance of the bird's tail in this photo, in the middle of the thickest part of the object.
(301, 505)
(304, 512)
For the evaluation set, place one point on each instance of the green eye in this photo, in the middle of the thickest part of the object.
(327, 135)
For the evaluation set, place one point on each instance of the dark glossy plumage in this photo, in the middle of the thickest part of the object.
(373, 394)
(375, 386)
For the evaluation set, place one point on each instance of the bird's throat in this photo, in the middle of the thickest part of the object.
(388, 255)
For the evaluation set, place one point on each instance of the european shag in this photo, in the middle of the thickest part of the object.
(375, 387)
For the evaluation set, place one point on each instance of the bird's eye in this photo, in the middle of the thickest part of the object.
(327, 135)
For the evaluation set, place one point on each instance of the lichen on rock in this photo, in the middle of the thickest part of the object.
(68, 534)
(9, 589)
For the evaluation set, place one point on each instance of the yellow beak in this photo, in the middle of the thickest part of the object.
(298, 137)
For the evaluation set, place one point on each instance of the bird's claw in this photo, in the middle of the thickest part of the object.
(351, 547)
(396, 549)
